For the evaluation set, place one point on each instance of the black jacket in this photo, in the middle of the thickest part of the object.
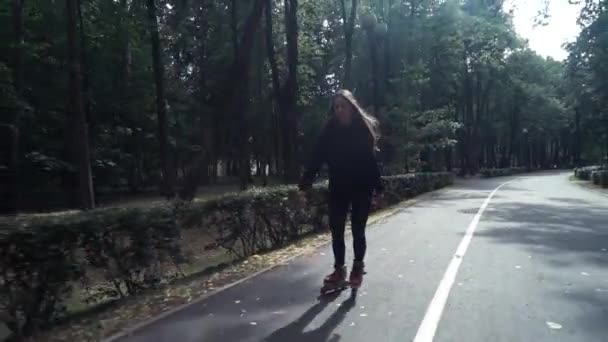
(350, 156)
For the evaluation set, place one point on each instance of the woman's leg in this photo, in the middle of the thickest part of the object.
(360, 212)
(338, 207)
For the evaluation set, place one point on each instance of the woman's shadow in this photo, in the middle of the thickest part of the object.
(294, 332)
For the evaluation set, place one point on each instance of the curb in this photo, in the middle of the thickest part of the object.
(374, 219)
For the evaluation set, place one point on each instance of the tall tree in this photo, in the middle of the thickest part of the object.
(290, 93)
(349, 28)
(234, 25)
(286, 95)
(13, 132)
(168, 174)
(77, 118)
(207, 119)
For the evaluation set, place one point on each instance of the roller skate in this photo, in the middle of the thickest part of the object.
(336, 281)
(356, 275)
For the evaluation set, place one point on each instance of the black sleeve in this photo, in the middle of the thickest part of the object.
(317, 158)
(376, 174)
(379, 186)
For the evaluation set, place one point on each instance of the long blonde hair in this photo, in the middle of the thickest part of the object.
(370, 122)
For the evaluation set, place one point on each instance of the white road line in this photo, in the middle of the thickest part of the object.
(428, 327)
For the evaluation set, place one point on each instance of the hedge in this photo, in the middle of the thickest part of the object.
(600, 177)
(488, 173)
(42, 259)
(584, 173)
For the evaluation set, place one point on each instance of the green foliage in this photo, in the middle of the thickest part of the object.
(587, 89)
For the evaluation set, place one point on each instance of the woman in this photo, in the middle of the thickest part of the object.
(348, 145)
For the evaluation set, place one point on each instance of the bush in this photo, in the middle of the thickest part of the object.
(595, 177)
(585, 173)
(119, 252)
(600, 177)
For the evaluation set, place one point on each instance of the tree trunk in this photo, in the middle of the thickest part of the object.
(18, 7)
(286, 96)
(168, 181)
(12, 135)
(448, 158)
(86, 83)
(200, 172)
(577, 138)
(374, 62)
(124, 91)
(8, 174)
(276, 85)
(290, 94)
(349, 28)
(234, 26)
(387, 47)
(78, 123)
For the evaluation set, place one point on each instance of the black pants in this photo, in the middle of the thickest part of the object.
(339, 202)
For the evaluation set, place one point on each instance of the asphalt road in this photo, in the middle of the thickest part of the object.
(532, 266)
